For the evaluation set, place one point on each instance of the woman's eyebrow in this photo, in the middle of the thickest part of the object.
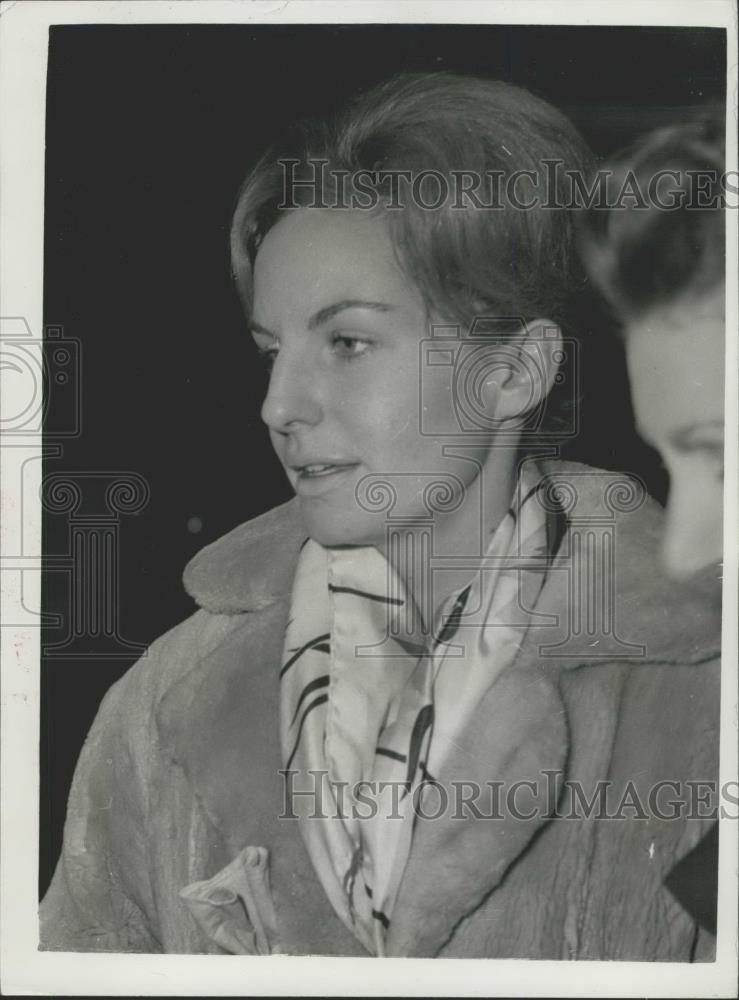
(258, 328)
(328, 312)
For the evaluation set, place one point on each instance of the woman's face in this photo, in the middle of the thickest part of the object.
(676, 363)
(342, 327)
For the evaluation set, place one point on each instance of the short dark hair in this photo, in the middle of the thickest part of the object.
(641, 258)
(466, 262)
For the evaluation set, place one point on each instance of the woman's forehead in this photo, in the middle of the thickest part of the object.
(685, 326)
(313, 255)
(676, 364)
(308, 228)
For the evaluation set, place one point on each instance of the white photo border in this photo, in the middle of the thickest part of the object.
(23, 62)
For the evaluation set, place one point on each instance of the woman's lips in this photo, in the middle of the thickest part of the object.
(319, 477)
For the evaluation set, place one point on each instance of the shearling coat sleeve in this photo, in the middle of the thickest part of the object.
(100, 896)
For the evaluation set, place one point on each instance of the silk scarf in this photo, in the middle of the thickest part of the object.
(369, 711)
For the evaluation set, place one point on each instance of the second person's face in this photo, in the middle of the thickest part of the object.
(676, 365)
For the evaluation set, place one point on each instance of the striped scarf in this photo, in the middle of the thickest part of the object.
(369, 713)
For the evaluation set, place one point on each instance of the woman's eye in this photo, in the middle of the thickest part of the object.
(267, 356)
(349, 347)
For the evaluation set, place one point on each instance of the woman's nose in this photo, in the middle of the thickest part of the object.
(693, 537)
(291, 396)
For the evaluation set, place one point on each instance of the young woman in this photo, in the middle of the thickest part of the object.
(424, 707)
(662, 268)
(663, 271)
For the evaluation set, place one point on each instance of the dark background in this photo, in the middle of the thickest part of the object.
(150, 131)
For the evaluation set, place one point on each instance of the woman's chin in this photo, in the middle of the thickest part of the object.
(332, 527)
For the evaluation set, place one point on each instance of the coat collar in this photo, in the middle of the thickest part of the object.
(252, 568)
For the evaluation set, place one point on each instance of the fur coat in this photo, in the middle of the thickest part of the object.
(178, 783)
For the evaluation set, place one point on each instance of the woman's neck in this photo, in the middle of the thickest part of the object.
(435, 559)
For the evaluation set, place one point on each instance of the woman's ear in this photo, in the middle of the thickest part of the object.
(530, 363)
